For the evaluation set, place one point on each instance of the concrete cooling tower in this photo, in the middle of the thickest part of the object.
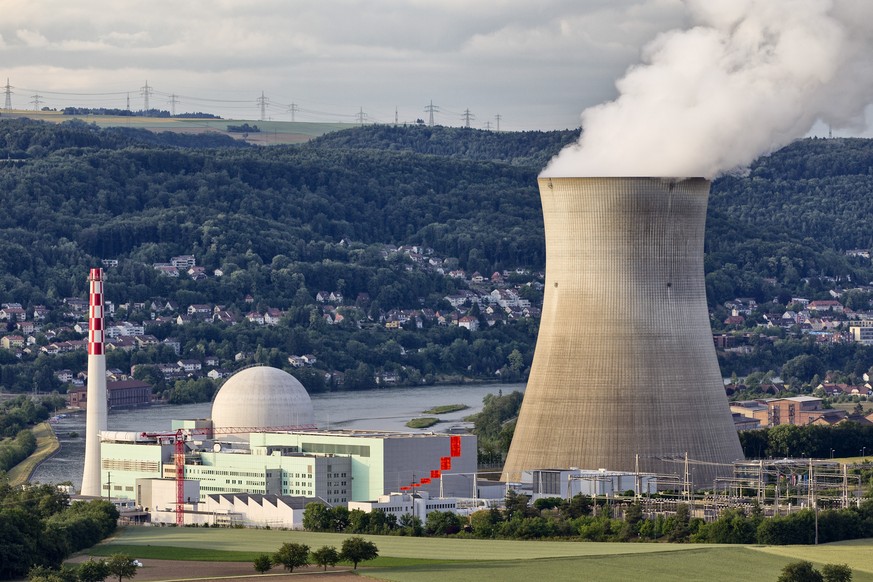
(624, 363)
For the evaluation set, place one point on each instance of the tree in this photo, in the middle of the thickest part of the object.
(317, 517)
(326, 556)
(800, 572)
(121, 566)
(93, 571)
(291, 556)
(263, 563)
(836, 573)
(357, 549)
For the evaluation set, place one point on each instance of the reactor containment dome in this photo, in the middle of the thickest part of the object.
(262, 397)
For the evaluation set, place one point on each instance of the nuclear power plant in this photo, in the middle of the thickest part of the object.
(625, 375)
(96, 417)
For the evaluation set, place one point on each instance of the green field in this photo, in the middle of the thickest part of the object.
(413, 559)
(272, 132)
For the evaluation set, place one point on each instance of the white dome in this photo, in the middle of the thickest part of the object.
(261, 397)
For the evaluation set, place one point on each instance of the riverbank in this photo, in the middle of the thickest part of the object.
(47, 444)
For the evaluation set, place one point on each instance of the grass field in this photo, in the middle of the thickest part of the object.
(414, 559)
(46, 445)
(272, 132)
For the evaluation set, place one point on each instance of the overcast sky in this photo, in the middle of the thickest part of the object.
(537, 64)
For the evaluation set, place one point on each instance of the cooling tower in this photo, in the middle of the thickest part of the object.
(624, 363)
(96, 415)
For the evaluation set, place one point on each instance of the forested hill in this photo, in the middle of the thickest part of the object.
(73, 194)
(527, 148)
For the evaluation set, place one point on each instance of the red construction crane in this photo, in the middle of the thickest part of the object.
(178, 439)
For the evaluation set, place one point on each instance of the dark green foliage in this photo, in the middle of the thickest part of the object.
(121, 566)
(357, 549)
(325, 556)
(836, 573)
(13, 451)
(802, 571)
(292, 555)
(37, 528)
(93, 571)
(845, 439)
(441, 523)
(263, 564)
(495, 425)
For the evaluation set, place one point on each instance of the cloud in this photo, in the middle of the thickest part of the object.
(32, 38)
(747, 78)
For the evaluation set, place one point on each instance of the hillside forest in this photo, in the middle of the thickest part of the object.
(272, 227)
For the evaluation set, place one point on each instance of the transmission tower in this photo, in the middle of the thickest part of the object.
(262, 103)
(173, 100)
(361, 116)
(145, 91)
(487, 126)
(128, 101)
(396, 116)
(293, 109)
(36, 101)
(430, 109)
(8, 105)
(498, 117)
(467, 116)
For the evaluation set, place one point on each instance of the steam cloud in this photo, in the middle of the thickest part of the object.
(747, 78)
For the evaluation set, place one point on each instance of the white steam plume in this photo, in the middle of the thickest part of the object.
(748, 78)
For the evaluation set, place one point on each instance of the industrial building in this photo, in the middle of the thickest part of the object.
(624, 368)
(567, 483)
(267, 444)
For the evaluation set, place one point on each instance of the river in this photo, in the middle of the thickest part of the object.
(383, 409)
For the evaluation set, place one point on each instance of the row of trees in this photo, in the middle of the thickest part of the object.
(585, 519)
(847, 439)
(119, 566)
(295, 555)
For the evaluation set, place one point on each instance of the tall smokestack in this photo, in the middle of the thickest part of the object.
(624, 363)
(95, 421)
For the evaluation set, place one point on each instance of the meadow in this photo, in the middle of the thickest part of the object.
(413, 559)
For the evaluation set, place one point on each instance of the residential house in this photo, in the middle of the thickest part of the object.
(13, 314)
(12, 341)
(272, 316)
(190, 365)
(469, 322)
(825, 305)
(184, 262)
(255, 318)
(166, 270)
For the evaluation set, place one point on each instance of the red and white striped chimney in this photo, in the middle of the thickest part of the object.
(96, 400)
(95, 313)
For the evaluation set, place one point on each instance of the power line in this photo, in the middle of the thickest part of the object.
(262, 102)
(430, 109)
(8, 105)
(145, 91)
(467, 116)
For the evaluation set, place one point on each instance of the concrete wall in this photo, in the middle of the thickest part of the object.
(625, 362)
